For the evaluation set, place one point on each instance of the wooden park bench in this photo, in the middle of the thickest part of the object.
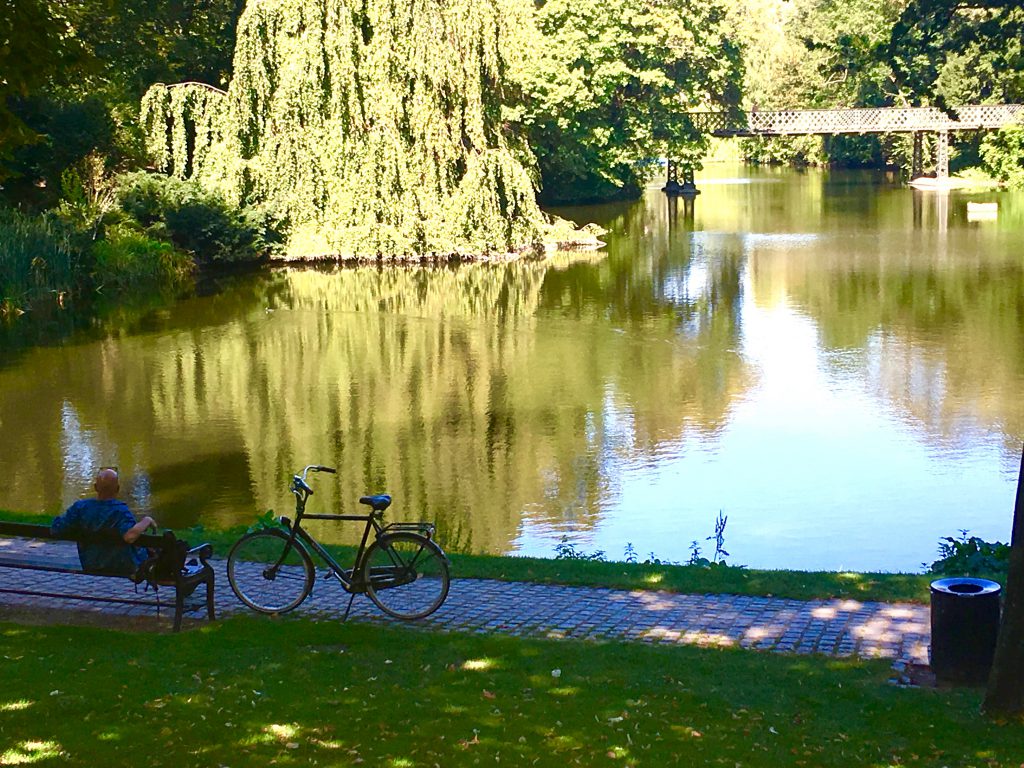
(24, 546)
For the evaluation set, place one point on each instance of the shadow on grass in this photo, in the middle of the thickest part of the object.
(253, 692)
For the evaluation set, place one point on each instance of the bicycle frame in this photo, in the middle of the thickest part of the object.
(350, 578)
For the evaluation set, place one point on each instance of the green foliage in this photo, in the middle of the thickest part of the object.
(970, 556)
(611, 86)
(74, 73)
(796, 150)
(819, 54)
(126, 258)
(34, 47)
(87, 199)
(944, 53)
(67, 131)
(1002, 155)
(372, 131)
(264, 522)
(199, 222)
(134, 43)
(566, 550)
(36, 260)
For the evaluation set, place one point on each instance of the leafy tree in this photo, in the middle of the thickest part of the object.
(948, 52)
(370, 131)
(35, 48)
(138, 42)
(80, 69)
(612, 86)
(1003, 155)
(821, 54)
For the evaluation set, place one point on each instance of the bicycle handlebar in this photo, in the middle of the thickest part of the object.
(299, 481)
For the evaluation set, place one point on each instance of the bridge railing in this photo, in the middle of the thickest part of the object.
(862, 120)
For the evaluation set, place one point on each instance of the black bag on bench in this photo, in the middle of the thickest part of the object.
(163, 564)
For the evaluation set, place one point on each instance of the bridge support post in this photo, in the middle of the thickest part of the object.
(917, 160)
(942, 156)
(672, 185)
(672, 179)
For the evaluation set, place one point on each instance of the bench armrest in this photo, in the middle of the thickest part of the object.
(204, 552)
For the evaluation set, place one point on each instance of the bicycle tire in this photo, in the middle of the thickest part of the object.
(406, 575)
(263, 590)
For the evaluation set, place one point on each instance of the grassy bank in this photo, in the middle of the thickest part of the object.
(113, 237)
(801, 585)
(256, 691)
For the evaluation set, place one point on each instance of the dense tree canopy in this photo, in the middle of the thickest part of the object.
(73, 73)
(611, 87)
(826, 54)
(950, 52)
(35, 47)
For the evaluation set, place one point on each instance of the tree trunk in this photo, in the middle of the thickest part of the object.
(1005, 694)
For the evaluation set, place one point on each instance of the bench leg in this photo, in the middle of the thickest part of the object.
(179, 608)
(209, 599)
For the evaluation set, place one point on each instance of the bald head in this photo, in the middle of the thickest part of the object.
(107, 484)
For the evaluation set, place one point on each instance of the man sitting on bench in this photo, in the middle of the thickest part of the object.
(105, 513)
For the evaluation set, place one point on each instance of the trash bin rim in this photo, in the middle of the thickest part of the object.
(944, 586)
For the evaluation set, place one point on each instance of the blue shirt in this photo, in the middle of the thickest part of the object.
(93, 516)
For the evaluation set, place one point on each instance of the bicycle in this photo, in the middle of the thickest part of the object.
(402, 570)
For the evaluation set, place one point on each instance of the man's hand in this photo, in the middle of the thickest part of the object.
(133, 533)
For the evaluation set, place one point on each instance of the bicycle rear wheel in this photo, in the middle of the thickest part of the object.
(267, 578)
(406, 575)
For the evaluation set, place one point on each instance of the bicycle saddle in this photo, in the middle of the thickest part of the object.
(380, 502)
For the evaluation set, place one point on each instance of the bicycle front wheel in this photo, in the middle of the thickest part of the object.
(265, 576)
(406, 575)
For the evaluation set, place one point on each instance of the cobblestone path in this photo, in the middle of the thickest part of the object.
(898, 631)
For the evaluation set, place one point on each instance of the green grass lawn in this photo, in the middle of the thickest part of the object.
(257, 691)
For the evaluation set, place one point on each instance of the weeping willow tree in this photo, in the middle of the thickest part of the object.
(370, 127)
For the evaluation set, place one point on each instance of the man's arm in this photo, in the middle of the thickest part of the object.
(133, 533)
(67, 522)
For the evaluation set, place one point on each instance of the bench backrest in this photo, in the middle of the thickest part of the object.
(32, 531)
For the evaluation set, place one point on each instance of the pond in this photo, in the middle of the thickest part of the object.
(831, 360)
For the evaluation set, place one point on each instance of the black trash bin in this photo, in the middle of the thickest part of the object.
(965, 625)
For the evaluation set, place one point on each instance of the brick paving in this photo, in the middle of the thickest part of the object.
(898, 631)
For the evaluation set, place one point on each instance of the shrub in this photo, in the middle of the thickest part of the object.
(1002, 153)
(125, 258)
(201, 223)
(972, 556)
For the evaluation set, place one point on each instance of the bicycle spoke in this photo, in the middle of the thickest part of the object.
(406, 575)
(268, 572)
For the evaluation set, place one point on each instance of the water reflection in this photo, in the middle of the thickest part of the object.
(832, 361)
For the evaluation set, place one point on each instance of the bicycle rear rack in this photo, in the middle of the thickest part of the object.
(426, 529)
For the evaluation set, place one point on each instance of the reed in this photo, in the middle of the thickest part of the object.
(37, 262)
